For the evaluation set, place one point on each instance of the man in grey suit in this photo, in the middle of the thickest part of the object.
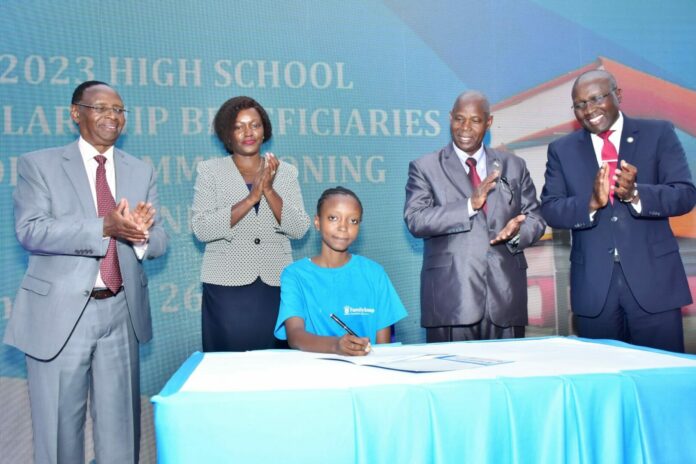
(82, 307)
(474, 274)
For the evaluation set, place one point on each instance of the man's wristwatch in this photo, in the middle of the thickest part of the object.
(633, 196)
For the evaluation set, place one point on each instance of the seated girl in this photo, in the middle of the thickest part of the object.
(354, 288)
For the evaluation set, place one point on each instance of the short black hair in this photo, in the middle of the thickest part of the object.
(227, 116)
(338, 190)
(80, 90)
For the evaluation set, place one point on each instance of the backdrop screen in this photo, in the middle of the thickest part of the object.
(355, 90)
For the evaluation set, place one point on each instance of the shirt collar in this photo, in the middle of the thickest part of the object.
(478, 156)
(88, 151)
(618, 124)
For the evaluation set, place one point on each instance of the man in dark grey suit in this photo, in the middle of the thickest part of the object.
(82, 307)
(474, 275)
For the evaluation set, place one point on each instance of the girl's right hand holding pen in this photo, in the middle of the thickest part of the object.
(351, 345)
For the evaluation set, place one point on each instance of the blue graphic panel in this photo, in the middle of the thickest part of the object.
(355, 90)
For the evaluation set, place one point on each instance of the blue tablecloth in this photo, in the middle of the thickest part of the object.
(631, 416)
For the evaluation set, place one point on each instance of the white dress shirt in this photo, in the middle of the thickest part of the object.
(88, 153)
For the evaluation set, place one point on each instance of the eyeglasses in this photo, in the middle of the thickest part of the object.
(104, 109)
(596, 100)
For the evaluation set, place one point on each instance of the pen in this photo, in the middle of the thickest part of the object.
(343, 325)
(348, 330)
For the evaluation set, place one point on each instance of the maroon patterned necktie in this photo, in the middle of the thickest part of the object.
(108, 267)
(611, 157)
(473, 176)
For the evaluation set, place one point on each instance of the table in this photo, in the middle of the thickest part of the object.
(560, 400)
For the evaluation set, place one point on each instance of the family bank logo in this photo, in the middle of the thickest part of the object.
(350, 311)
(529, 121)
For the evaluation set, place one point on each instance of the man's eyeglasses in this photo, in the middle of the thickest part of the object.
(596, 100)
(104, 109)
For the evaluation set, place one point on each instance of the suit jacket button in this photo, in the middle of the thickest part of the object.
(257, 241)
(86, 293)
(614, 219)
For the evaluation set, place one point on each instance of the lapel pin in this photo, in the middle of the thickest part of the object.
(629, 140)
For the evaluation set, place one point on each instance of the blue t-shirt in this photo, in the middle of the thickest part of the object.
(359, 293)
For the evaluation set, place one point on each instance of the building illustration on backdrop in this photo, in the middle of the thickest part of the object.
(520, 126)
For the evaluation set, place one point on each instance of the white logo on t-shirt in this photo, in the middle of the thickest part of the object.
(349, 311)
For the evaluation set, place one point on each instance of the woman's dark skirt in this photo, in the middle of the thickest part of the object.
(240, 318)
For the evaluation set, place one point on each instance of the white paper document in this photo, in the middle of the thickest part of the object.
(418, 362)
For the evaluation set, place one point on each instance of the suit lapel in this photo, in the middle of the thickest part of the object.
(233, 178)
(494, 195)
(454, 171)
(75, 169)
(236, 188)
(121, 169)
(629, 138)
(587, 160)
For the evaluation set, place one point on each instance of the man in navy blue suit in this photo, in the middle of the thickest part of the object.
(615, 184)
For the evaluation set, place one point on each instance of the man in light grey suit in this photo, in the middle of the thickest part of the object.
(82, 307)
(474, 274)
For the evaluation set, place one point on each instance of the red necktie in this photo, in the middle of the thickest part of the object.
(473, 176)
(108, 267)
(611, 157)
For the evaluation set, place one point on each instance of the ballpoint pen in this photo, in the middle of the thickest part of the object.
(343, 325)
(348, 330)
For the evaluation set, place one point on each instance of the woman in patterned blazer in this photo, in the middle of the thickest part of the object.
(246, 208)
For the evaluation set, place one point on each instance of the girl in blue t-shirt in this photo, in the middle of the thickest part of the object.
(353, 288)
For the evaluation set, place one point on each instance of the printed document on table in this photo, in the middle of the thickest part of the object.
(417, 361)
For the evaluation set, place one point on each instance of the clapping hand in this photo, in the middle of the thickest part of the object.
(625, 179)
(511, 229)
(263, 182)
(144, 216)
(120, 223)
(480, 194)
(600, 190)
(269, 172)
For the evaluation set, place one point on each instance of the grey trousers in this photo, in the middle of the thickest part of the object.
(100, 359)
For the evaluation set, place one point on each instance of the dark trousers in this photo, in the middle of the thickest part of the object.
(622, 318)
(483, 330)
(240, 318)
